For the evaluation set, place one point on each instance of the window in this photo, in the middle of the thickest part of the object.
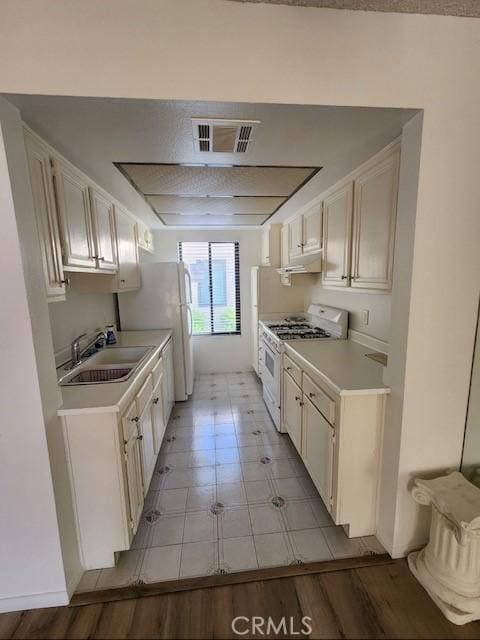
(215, 271)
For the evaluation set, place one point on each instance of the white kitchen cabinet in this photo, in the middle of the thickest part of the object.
(46, 216)
(144, 419)
(337, 233)
(254, 318)
(103, 225)
(339, 439)
(128, 277)
(271, 245)
(295, 238)
(374, 217)
(73, 206)
(284, 246)
(158, 413)
(145, 238)
(317, 449)
(312, 230)
(168, 386)
(292, 410)
(133, 467)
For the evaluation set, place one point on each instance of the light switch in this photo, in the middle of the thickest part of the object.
(365, 316)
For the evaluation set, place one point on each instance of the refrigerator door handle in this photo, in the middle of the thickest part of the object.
(188, 287)
(190, 321)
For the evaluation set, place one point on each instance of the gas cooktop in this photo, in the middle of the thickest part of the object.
(300, 331)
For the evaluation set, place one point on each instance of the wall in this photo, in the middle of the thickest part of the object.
(377, 304)
(80, 313)
(333, 57)
(32, 569)
(218, 353)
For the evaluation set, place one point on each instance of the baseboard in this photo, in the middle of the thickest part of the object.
(399, 550)
(34, 601)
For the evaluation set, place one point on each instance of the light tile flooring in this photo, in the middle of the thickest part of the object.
(229, 493)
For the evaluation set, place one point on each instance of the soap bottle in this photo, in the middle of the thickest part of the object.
(111, 336)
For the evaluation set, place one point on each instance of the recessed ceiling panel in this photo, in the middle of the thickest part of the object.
(165, 179)
(207, 221)
(219, 206)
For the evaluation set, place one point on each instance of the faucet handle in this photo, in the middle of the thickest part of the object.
(84, 335)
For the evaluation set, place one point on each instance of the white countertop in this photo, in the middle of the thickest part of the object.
(112, 396)
(339, 363)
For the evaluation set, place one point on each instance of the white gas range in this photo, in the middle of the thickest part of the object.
(320, 323)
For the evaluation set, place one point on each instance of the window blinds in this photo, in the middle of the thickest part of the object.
(215, 271)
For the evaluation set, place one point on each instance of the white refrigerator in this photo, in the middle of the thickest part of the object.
(163, 302)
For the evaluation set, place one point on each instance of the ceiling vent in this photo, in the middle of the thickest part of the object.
(222, 136)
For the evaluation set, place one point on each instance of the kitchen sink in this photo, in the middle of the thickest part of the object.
(119, 355)
(113, 364)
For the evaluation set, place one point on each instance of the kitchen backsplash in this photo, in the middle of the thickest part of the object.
(377, 305)
(80, 313)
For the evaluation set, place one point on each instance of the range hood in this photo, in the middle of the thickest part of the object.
(303, 265)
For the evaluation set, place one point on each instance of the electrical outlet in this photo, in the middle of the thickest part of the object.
(365, 316)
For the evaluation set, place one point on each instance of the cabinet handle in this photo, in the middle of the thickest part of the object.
(65, 281)
(288, 368)
(155, 400)
(140, 437)
(301, 404)
(122, 280)
(136, 419)
(344, 277)
(312, 395)
(297, 398)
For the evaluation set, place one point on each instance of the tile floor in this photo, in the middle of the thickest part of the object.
(229, 493)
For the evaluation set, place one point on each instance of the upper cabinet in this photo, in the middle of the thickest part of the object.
(81, 228)
(305, 234)
(271, 245)
(73, 202)
(128, 269)
(145, 238)
(46, 217)
(359, 226)
(295, 238)
(103, 225)
(337, 225)
(374, 218)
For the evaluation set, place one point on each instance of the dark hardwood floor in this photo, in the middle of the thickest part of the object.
(377, 601)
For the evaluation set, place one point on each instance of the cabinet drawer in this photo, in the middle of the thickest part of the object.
(293, 369)
(319, 398)
(144, 395)
(157, 370)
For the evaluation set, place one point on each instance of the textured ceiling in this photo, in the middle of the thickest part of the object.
(187, 194)
(463, 8)
(95, 133)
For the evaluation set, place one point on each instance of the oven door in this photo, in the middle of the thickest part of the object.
(271, 381)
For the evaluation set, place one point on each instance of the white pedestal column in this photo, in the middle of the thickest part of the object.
(449, 566)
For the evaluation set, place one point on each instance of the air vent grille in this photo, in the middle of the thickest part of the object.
(223, 136)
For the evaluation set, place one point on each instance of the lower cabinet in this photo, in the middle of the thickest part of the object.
(111, 458)
(339, 440)
(292, 410)
(318, 438)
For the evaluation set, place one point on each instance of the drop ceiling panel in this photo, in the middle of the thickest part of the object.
(156, 179)
(206, 221)
(219, 206)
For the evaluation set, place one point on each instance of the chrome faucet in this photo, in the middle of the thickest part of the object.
(77, 353)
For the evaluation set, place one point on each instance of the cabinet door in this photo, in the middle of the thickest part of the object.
(295, 238)
(284, 246)
(103, 217)
(127, 251)
(254, 316)
(374, 217)
(292, 410)
(145, 428)
(265, 259)
(74, 216)
(168, 386)
(337, 233)
(312, 230)
(41, 181)
(317, 449)
(158, 413)
(133, 466)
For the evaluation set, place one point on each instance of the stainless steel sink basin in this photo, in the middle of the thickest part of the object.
(113, 364)
(90, 376)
